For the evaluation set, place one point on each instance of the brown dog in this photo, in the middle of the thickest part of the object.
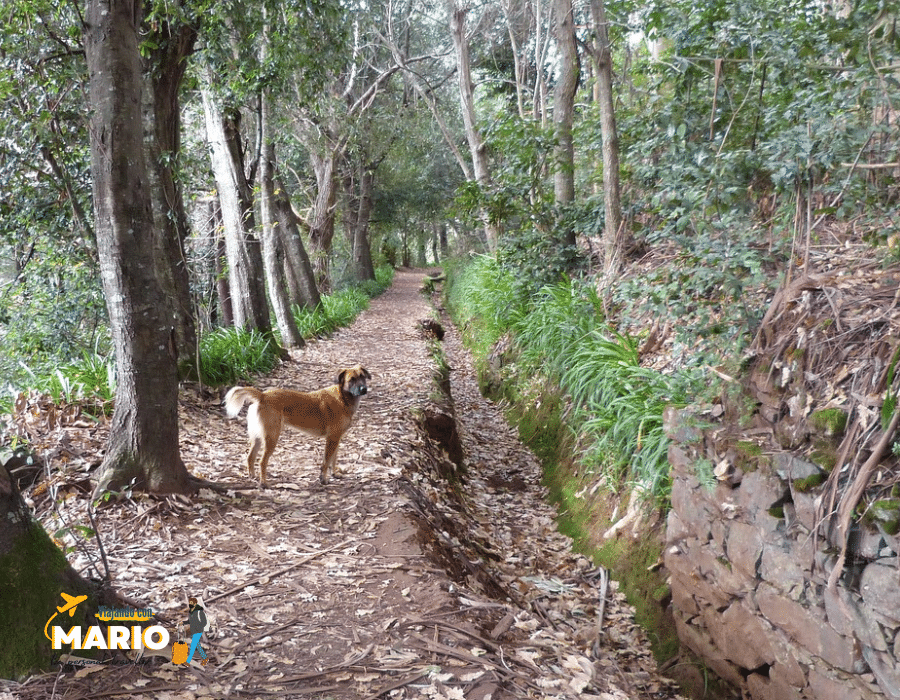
(324, 413)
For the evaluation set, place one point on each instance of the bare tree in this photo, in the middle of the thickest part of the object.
(477, 150)
(542, 45)
(143, 444)
(301, 279)
(564, 106)
(613, 232)
(518, 26)
(243, 250)
(321, 219)
(359, 183)
(273, 250)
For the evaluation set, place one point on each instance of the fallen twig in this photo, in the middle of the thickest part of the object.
(304, 560)
(395, 686)
(462, 655)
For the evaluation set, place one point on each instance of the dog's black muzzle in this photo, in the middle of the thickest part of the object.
(359, 391)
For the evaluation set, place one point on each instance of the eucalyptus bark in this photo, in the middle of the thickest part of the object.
(143, 444)
(613, 232)
(564, 106)
(541, 47)
(362, 251)
(223, 289)
(273, 252)
(350, 200)
(301, 279)
(477, 148)
(517, 28)
(243, 250)
(321, 223)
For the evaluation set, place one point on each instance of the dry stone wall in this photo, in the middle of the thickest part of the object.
(749, 574)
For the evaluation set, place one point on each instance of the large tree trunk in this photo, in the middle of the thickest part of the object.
(143, 445)
(32, 573)
(248, 292)
(362, 251)
(349, 200)
(358, 184)
(223, 289)
(165, 70)
(564, 107)
(298, 269)
(321, 224)
(614, 239)
(467, 100)
(273, 252)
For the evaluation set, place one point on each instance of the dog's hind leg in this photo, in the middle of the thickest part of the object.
(269, 441)
(255, 443)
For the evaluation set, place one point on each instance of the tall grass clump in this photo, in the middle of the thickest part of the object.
(617, 403)
(90, 377)
(228, 355)
(556, 320)
(561, 334)
(484, 294)
(619, 406)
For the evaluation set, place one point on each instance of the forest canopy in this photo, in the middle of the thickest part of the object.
(397, 134)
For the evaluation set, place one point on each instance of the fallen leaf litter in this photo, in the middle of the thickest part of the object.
(391, 582)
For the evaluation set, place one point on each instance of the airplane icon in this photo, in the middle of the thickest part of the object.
(71, 603)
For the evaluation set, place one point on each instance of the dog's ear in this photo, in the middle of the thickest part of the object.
(340, 378)
(365, 372)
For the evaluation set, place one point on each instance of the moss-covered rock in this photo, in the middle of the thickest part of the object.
(33, 573)
(810, 482)
(830, 422)
(884, 513)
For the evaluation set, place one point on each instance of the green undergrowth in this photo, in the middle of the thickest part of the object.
(560, 335)
(584, 510)
(341, 308)
(576, 391)
(226, 355)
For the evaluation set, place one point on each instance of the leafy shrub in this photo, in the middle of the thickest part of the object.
(482, 292)
(90, 377)
(228, 355)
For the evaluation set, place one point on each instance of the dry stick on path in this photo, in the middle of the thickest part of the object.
(395, 686)
(301, 562)
(436, 647)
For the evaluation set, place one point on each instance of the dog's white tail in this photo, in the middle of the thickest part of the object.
(238, 396)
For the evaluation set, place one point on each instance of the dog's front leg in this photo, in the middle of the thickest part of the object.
(331, 445)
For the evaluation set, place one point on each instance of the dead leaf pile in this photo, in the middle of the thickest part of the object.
(391, 582)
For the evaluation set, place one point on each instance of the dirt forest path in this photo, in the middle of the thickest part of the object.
(409, 577)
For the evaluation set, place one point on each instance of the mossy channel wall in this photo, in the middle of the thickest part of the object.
(749, 580)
